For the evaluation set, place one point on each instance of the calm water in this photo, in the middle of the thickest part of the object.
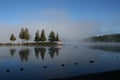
(71, 59)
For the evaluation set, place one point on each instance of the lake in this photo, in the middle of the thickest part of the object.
(53, 62)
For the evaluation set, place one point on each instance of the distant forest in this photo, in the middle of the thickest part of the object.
(104, 38)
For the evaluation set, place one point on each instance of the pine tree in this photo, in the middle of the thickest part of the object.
(43, 37)
(37, 38)
(26, 34)
(52, 36)
(57, 37)
(12, 37)
(21, 35)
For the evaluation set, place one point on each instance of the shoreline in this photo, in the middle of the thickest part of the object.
(30, 44)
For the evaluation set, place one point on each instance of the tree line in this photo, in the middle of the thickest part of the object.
(104, 38)
(24, 35)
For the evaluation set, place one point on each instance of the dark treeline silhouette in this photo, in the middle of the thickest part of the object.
(104, 38)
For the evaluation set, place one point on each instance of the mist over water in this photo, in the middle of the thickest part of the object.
(75, 21)
(69, 60)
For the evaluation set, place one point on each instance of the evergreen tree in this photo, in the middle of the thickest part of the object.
(21, 35)
(12, 37)
(37, 38)
(51, 36)
(43, 37)
(57, 37)
(26, 34)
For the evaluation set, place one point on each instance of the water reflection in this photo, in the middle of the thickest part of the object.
(52, 51)
(12, 51)
(51, 62)
(110, 48)
(40, 51)
(24, 54)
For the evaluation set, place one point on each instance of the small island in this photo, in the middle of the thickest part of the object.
(104, 38)
(39, 39)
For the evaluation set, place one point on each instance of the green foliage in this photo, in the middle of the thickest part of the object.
(12, 37)
(24, 34)
(37, 38)
(43, 37)
(52, 36)
(21, 35)
(57, 37)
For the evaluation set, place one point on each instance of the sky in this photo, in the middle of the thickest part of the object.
(72, 19)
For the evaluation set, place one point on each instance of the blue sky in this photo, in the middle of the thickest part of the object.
(98, 16)
(77, 9)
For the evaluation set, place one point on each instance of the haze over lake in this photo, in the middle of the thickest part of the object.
(69, 60)
(42, 39)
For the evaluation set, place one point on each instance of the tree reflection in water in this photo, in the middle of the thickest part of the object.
(40, 51)
(12, 51)
(24, 54)
(52, 51)
(110, 48)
